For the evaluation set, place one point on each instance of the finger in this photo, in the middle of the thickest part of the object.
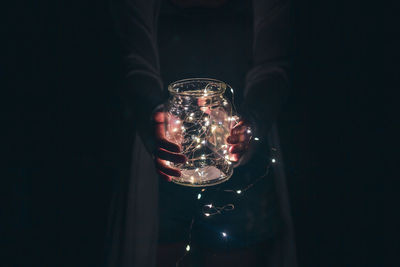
(167, 145)
(238, 148)
(170, 156)
(159, 117)
(202, 103)
(240, 123)
(163, 142)
(239, 130)
(235, 157)
(234, 139)
(162, 165)
(164, 176)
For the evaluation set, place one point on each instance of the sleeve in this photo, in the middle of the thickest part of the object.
(267, 82)
(136, 25)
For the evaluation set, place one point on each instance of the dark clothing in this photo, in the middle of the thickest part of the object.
(213, 43)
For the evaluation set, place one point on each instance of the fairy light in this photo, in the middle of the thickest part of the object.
(199, 135)
(201, 130)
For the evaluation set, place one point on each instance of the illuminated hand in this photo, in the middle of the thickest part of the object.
(166, 151)
(239, 141)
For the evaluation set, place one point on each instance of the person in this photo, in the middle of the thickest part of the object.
(150, 217)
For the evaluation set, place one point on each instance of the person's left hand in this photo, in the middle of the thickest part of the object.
(239, 141)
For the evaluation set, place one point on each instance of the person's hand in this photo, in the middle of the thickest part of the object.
(165, 151)
(239, 143)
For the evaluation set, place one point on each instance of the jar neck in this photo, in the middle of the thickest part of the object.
(187, 100)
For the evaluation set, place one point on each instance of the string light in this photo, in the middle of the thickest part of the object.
(203, 120)
(201, 129)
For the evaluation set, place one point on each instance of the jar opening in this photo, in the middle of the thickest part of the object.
(198, 87)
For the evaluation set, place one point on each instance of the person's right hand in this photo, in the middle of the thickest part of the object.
(165, 151)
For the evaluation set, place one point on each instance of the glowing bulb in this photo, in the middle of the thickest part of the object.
(203, 156)
(188, 248)
(198, 146)
(232, 90)
(203, 142)
(177, 121)
(198, 196)
(202, 190)
(239, 191)
(207, 214)
(248, 131)
(191, 114)
(225, 151)
(273, 160)
(256, 138)
(224, 234)
(209, 205)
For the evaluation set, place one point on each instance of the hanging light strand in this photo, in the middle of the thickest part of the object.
(210, 209)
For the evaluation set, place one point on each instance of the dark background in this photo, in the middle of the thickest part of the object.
(62, 131)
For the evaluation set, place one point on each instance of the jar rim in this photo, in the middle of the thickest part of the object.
(218, 88)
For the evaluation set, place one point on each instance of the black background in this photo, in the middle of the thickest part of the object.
(62, 121)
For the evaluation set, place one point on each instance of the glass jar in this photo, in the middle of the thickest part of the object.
(199, 118)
